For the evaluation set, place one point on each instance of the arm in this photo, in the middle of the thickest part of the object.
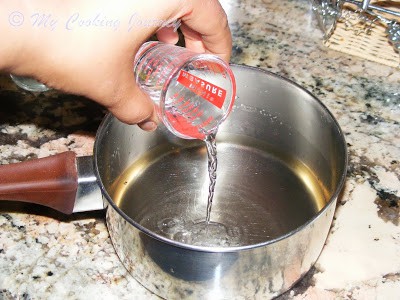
(96, 61)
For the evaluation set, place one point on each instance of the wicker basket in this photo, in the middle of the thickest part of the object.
(361, 34)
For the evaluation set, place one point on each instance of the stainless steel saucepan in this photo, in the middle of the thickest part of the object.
(281, 165)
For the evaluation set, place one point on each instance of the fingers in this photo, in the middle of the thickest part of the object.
(148, 125)
(167, 35)
(136, 110)
(205, 27)
(133, 106)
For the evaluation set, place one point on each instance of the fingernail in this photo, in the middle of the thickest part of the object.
(148, 125)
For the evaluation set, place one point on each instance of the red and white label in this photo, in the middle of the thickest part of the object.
(208, 91)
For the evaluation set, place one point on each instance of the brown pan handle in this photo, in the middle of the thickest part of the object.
(51, 181)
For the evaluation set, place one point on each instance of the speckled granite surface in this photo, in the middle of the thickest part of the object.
(44, 255)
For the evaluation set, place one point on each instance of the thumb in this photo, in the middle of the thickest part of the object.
(133, 106)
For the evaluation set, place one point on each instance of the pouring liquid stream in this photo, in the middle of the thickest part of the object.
(212, 171)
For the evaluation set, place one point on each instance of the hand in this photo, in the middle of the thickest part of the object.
(97, 61)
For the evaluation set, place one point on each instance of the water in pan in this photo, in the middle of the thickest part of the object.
(260, 194)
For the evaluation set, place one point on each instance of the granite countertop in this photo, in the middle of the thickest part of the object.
(45, 255)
